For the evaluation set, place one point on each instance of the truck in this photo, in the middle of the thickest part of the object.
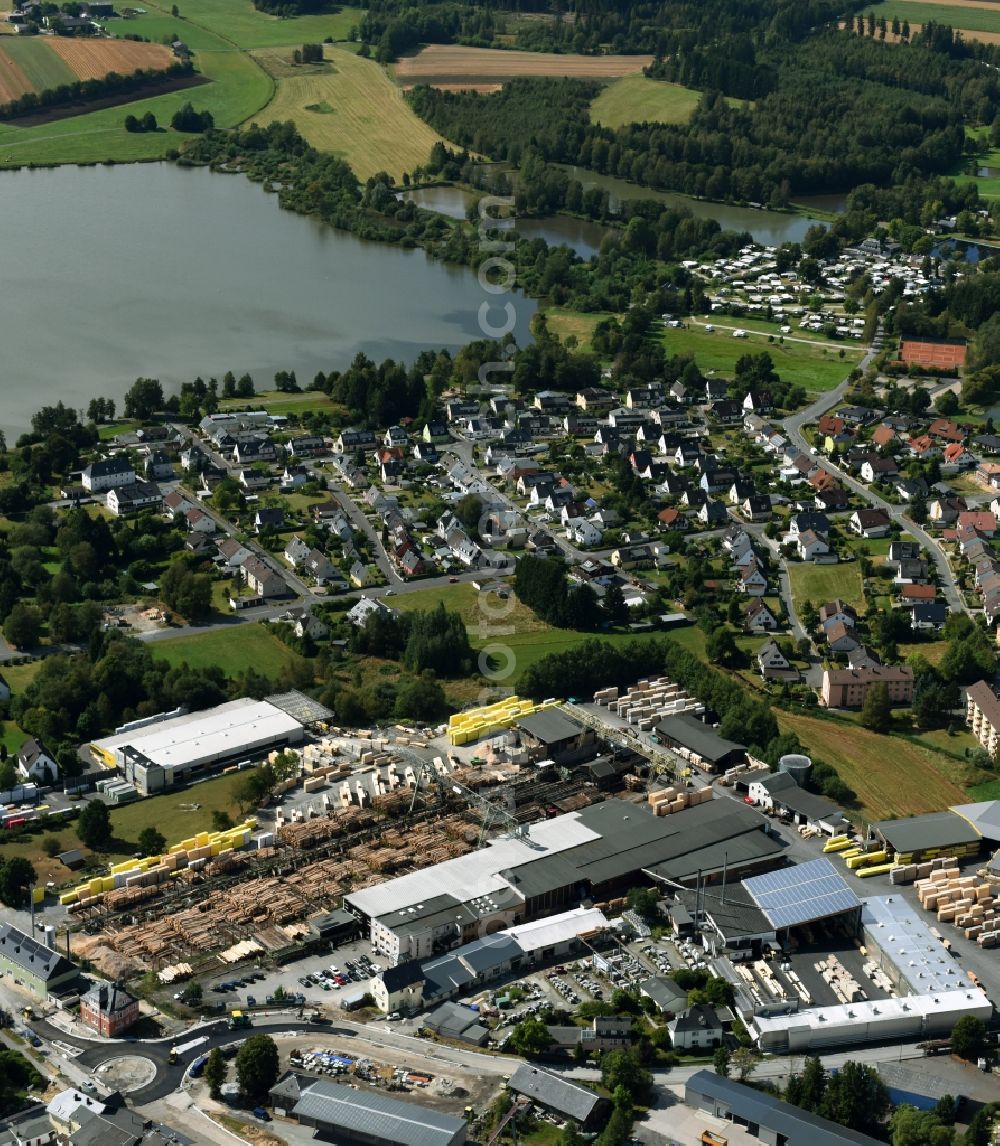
(710, 1138)
(198, 1066)
(935, 1046)
(238, 1019)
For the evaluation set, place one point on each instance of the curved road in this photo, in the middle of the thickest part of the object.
(793, 427)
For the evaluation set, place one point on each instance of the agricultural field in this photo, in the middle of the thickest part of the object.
(815, 365)
(283, 402)
(239, 22)
(821, 583)
(978, 19)
(350, 107)
(892, 776)
(637, 99)
(243, 646)
(31, 60)
(93, 59)
(451, 65)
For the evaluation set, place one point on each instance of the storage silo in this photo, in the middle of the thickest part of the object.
(797, 766)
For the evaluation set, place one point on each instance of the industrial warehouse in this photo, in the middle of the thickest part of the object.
(169, 750)
(597, 852)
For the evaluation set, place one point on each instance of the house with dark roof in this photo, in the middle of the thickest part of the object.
(33, 964)
(696, 1028)
(36, 762)
(561, 1096)
(107, 473)
(400, 988)
(108, 1009)
(869, 523)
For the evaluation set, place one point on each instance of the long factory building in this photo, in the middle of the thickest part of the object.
(157, 754)
(596, 853)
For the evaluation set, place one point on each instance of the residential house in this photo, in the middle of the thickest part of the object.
(108, 473)
(697, 1028)
(268, 519)
(902, 551)
(830, 424)
(671, 519)
(758, 402)
(633, 557)
(774, 665)
(911, 594)
(752, 582)
(924, 447)
(594, 399)
(584, 533)
(948, 431)
(930, 616)
(837, 610)
(757, 507)
(175, 503)
(840, 637)
(436, 432)
(294, 477)
(957, 458)
(712, 513)
(984, 523)
(758, 618)
(715, 389)
(884, 436)
(727, 411)
(809, 521)
(157, 466)
(198, 521)
(35, 762)
(878, 469)
(134, 498)
(870, 523)
(262, 580)
(353, 438)
(832, 499)
(296, 551)
(945, 510)
(366, 607)
(810, 546)
(254, 449)
(307, 446)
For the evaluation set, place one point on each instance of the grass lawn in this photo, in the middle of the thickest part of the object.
(892, 775)
(932, 650)
(235, 649)
(281, 402)
(172, 813)
(563, 323)
(241, 22)
(969, 17)
(821, 583)
(990, 790)
(350, 107)
(20, 676)
(817, 366)
(637, 99)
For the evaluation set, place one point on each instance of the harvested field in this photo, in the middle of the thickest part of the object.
(93, 59)
(13, 82)
(349, 107)
(39, 64)
(456, 66)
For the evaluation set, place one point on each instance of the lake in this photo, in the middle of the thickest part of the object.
(112, 273)
(769, 228)
(580, 235)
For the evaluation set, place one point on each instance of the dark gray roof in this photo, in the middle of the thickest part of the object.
(664, 992)
(734, 913)
(34, 957)
(733, 853)
(698, 737)
(549, 726)
(454, 1021)
(446, 974)
(935, 830)
(633, 839)
(108, 998)
(402, 975)
(493, 951)
(378, 1117)
(789, 1121)
(699, 1017)
(553, 1092)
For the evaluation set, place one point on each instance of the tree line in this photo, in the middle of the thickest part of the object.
(78, 91)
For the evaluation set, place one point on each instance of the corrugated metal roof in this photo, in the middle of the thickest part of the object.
(767, 1111)
(383, 1119)
(934, 830)
(801, 893)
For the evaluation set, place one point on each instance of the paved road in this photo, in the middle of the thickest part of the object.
(793, 428)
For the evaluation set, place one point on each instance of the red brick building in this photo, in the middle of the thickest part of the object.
(108, 1009)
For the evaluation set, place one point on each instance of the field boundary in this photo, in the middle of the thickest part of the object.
(81, 107)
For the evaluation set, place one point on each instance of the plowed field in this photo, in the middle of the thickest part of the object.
(451, 65)
(93, 59)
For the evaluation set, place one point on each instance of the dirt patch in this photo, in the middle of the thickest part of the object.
(93, 59)
(451, 65)
(483, 89)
